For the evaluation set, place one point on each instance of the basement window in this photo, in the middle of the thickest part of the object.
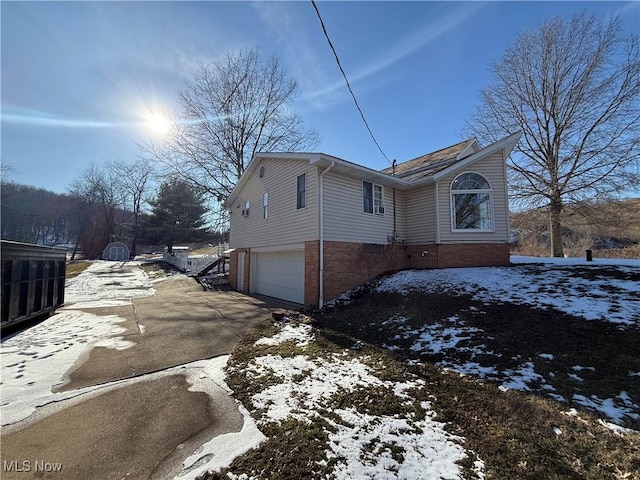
(373, 248)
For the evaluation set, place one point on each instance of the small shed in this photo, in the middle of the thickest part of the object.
(117, 251)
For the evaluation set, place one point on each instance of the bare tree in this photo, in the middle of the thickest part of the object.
(100, 192)
(573, 88)
(134, 180)
(5, 171)
(231, 110)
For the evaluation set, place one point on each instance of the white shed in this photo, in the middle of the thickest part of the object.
(116, 251)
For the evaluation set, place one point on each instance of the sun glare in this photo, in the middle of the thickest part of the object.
(158, 123)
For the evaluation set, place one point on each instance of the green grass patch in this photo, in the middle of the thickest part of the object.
(75, 268)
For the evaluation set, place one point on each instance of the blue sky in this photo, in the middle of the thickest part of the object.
(79, 79)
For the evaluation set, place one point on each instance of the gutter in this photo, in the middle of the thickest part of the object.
(321, 286)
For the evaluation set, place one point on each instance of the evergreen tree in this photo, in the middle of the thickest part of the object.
(177, 215)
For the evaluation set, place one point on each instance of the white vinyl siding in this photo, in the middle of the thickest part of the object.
(420, 211)
(344, 219)
(286, 223)
(493, 169)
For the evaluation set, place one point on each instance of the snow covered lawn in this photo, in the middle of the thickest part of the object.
(582, 290)
(334, 407)
(369, 426)
(564, 328)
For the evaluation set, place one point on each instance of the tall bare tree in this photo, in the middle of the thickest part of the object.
(573, 88)
(231, 110)
(134, 180)
(100, 192)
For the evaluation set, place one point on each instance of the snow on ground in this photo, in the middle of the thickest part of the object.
(107, 284)
(300, 334)
(35, 360)
(551, 283)
(626, 262)
(304, 390)
(220, 451)
(547, 285)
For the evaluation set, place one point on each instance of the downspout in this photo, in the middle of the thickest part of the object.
(393, 166)
(321, 286)
(437, 195)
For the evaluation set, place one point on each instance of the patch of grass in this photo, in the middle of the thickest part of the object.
(75, 268)
(157, 269)
(513, 432)
(604, 273)
(293, 450)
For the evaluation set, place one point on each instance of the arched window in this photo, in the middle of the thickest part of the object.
(471, 202)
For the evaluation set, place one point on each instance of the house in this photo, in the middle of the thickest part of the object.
(116, 251)
(306, 227)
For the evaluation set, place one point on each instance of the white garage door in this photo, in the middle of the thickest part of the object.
(280, 275)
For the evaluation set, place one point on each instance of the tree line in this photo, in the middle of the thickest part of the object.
(106, 205)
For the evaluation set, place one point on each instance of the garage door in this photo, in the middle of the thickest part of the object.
(280, 275)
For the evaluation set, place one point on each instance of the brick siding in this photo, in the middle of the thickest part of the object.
(347, 265)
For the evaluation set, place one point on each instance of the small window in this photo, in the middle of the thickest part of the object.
(471, 203)
(372, 248)
(245, 211)
(372, 198)
(301, 191)
(265, 205)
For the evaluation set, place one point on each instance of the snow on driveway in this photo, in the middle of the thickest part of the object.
(107, 284)
(36, 359)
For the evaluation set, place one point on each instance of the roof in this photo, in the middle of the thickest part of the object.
(418, 171)
(433, 162)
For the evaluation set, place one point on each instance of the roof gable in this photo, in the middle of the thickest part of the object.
(505, 145)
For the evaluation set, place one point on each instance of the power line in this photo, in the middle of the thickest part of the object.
(324, 29)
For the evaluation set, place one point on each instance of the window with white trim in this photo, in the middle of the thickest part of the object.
(301, 191)
(471, 205)
(372, 198)
(265, 205)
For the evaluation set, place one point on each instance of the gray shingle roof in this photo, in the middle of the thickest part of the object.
(431, 163)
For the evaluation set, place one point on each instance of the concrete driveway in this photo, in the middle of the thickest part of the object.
(146, 417)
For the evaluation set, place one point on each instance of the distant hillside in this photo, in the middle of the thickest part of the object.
(610, 229)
